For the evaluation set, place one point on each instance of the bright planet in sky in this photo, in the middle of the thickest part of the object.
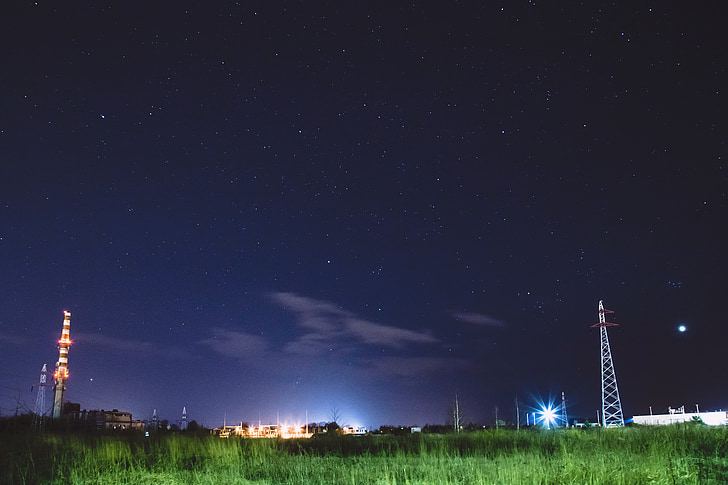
(682, 328)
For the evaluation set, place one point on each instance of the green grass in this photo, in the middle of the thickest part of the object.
(678, 454)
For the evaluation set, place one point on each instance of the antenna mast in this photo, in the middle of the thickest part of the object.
(611, 405)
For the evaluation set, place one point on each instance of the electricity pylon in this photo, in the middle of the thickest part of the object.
(611, 405)
(40, 409)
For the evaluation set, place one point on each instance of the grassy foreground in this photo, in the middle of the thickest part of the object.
(678, 454)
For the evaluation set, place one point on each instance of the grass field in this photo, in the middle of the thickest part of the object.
(677, 454)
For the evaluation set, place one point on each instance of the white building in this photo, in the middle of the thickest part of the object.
(713, 418)
(355, 430)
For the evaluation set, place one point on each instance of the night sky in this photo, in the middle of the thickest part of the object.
(262, 209)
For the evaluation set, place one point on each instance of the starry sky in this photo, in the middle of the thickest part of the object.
(259, 210)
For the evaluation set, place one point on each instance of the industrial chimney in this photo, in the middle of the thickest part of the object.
(61, 373)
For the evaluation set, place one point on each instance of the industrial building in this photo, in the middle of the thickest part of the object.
(280, 431)
(112, 420)
(713, 418)
(101, 420)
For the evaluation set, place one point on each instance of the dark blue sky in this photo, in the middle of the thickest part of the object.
(260, 209)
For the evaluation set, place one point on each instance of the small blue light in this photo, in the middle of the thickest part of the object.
(682, 328)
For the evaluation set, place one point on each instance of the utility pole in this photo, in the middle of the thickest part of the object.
(611, 405)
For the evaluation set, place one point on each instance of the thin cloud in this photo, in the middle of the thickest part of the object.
(412, 367)
(329, 324)
(13, 339)
(376, 334)
(237, 345)
(478, 319)
(310, 344)
(127, 345)
(316, 315)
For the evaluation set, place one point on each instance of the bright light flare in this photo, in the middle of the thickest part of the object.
(682, 328)
(548, 415)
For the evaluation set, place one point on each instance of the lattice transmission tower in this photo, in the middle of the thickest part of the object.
(183, 421)
(611, 405)
(40, 409)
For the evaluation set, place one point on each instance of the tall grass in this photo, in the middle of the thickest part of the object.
(678, 454)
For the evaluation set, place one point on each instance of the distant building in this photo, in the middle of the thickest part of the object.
(354, 430)
(266, 431)
(583, 423)
(111, 420)
(713, 418)
(228, 431)
(71, 410)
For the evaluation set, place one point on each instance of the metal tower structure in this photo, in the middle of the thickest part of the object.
(183, 421)
(40, 410)
(611, 405)
(61, 373)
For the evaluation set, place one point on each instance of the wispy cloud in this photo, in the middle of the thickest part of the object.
(377, 334)
(12, 339)
(238, 345)
(105, 342)
(324, 333)
(327, 324)
(412, 367)
(478, 319)
(315, 314)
